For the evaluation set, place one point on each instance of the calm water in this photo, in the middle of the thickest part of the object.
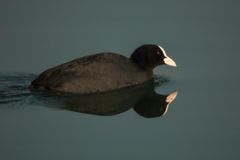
(201, 123)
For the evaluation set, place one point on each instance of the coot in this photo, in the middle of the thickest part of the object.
(103, 71)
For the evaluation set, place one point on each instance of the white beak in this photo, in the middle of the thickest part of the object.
(169, 61)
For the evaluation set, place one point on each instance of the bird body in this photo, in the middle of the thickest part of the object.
(100, 72)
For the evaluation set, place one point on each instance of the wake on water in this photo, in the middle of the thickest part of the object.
(14, 87)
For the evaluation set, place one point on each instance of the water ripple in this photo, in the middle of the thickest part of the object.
(14, 87)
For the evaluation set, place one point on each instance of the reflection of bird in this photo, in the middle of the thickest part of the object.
(154, 105)
(141, 97)
(103, 71)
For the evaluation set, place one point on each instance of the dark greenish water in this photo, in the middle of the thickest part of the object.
(201, 123)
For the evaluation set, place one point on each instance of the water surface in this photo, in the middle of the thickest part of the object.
(201, 36)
